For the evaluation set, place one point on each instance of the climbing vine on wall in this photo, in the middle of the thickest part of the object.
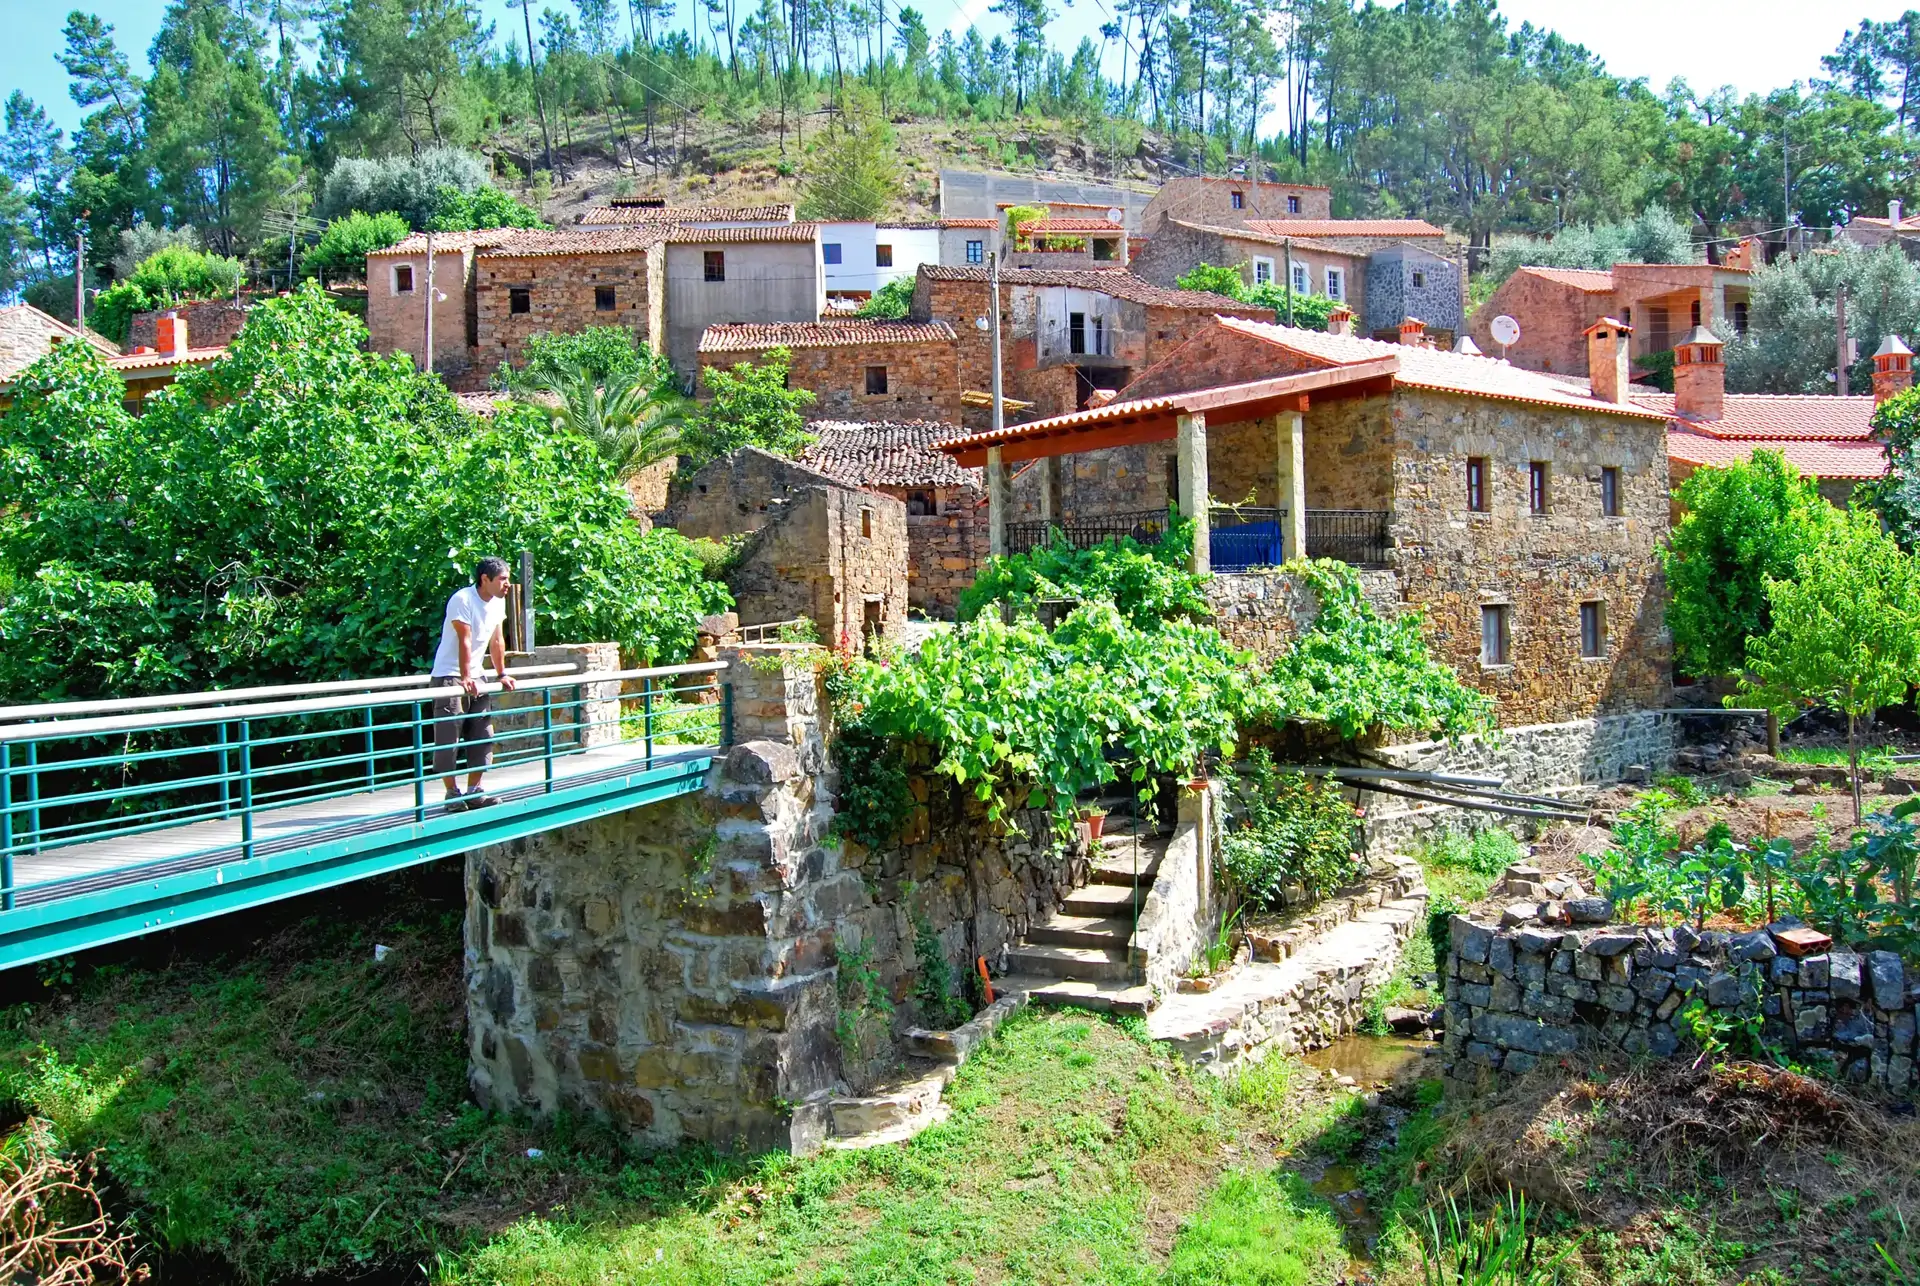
(1146, 581)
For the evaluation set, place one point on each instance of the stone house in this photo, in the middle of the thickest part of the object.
(766, 273)
(214, 323)
(946, 528)
(1413, 282)
(856, 370)
(967, 241)
(810, 545)
(1230, 202)
(148, 370)
(27, 335)
(397, 294)
(551, 283)
(1659, 302)
(1319, 267)
(1064, 332)
(1519, 514)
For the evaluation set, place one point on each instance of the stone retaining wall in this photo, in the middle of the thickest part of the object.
(1179, 912)
(1263, 611)
(1517, 995)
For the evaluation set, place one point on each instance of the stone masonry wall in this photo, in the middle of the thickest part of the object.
(561, 299)
(1264, 610)
(944, 552)
(921, 380)
(210, 323)
(1517, 995)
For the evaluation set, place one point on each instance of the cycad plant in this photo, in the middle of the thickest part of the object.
(633, 418)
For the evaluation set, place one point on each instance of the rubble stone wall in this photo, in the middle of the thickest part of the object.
(210, 323)
(921, 381)
(1517, 995)
(1262, 611)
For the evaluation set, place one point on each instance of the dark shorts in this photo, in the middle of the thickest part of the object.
(461, 721)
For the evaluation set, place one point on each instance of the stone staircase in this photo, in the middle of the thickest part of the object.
(1081, 955)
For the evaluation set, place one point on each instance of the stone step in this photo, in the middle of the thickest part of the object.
(1120, 869)
(1104, 901)
(1101, 997)
(1089, 964)
(909, 1104)
(1083, 931)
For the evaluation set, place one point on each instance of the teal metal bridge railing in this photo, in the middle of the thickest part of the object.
(119, 818)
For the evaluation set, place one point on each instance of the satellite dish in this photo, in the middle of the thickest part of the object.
(1506, 330)
(1116, 215)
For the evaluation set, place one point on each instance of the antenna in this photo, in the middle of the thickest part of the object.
(1506, 331)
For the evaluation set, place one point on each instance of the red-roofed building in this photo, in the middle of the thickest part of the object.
(856, 370)
(1520, 514)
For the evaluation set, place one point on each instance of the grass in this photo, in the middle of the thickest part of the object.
(298, 1110)
(1874, 760)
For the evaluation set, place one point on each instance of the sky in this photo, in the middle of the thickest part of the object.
(1753, 45)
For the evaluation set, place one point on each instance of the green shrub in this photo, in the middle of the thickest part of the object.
(752, 406)
(1214, 279)
(1297, 830)
(343, 248)
(603, 352)
(486, 207)
(1485, 852)
(168, 277)
(891, 301)
(1147, 582)
(1310, 312)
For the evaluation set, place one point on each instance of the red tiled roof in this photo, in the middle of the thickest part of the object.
(540, 244)
(681, 236)
(753, 337)
(1243, 183)
(1265, 239)
(969, 223)
(153, 361)
(888, 453)
(448, 242)
(1346, 227)
(1819, 459)
(1070, 225)
(1117, 282)
(1445, 372)
(1597, 283)
(631, 216)
(1788, 417)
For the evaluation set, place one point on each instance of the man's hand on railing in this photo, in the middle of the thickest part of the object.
(508, 683)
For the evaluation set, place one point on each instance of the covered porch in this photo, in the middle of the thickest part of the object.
(1268, 470)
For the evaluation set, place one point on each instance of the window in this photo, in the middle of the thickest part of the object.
(976, 252)
(922, 504)
(1100, 336)
(1238, 200)
(603, 299)
(1076, 332)
(1537, 486)
(1336, 284)
(1694, 313)
(1610, 493)
(876, 379)
(830, 252)
(716, 264)
(883, 256)
(1739, 316)
(866, 515)
(403, 279)
(1477, 484)
(1626, 315)
(1300, 286)
(1593, 630)
(1263, 272)
(1293, 205)
(519, 299)
(1493, 634)
(1419, 279)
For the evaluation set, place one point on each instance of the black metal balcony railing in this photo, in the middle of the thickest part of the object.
(1144, 525)
(1357, 536)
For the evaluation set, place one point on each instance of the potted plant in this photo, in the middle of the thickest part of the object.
(1095, 818)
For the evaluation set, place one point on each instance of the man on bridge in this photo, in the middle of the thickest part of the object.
(472, 631)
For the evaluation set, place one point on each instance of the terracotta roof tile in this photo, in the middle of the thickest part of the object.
(416, 243)
(1433, 369)
(1117, 282)
(754, 337)
(1346, 227)
(1788, 416)
(539, 244)
(1070, 225)
(969, 223)
(682, 236)
(1597, 283)
(1265, 239)
(27, 335)
(622, 216)
(888, 453)
(154, 361)
(1820, 459)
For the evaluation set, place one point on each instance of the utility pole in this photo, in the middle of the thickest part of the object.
(426, 361)
(533, 71)
(1840, 340)
(80, 273)
(1286, 251)
(996, 469)
(1786, 192)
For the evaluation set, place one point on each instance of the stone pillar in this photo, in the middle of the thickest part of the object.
(1191, 446)
(1290, 491)
(776, 697)
(996, 504)
(595, 707)
(1049, 467)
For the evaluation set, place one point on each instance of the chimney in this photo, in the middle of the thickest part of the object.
(1466, 346)
(170, 334)
(1893, 215)
(1607, 344)
(1340, 320)
(1699, 376)
(1892, 369)
(1413, 333)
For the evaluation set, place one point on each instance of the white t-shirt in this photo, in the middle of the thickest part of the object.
(483, 617)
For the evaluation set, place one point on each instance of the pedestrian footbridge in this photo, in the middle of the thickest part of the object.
(119, 818)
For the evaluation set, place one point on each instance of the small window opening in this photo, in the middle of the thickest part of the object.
(715, 262)
(876, 379)
(1610, 493)
(1537, 486)
(1593, 630)
(403, 279)
(1494, 648)
(1477, 484)
(519, 299)
(603, 299)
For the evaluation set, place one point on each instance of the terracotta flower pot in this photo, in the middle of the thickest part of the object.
(1096, 822)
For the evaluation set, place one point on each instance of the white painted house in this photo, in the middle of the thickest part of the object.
(859, 258)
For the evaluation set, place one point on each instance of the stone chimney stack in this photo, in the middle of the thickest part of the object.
(1413, 333)
(1894, 212)
(170, 334)
(1607, 342)
(1892, 369)
(1699, 376)
(1340, 320)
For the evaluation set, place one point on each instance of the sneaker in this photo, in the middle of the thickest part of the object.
(479, 798)
(456, 802)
